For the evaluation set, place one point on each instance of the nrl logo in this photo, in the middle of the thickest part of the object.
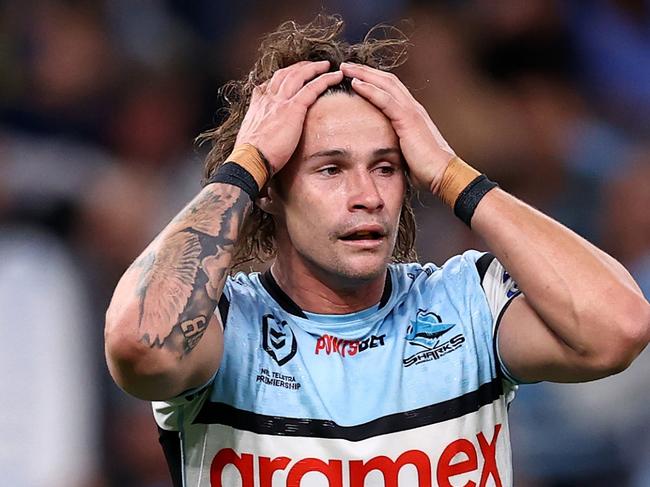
(427, 329)
(278, 339)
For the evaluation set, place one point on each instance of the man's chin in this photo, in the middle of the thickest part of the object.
(348, 269)
(364, 268)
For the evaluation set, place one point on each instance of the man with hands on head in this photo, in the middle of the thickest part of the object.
(347, 363)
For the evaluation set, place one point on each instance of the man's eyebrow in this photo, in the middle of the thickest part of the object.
(344, 152)
(385, 151)
(329, 153)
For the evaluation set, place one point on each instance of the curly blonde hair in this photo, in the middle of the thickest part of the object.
(384, 47)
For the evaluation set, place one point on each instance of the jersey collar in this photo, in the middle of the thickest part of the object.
(286, 303)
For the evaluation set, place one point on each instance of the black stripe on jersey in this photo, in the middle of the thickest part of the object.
(500, 370)
(276, 292)
(388, 290)
(224, 308)
(171, 445)
(482, 265)
(286, 303)
(220, 413)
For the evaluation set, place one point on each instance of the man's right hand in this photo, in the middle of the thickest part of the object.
(275, 116)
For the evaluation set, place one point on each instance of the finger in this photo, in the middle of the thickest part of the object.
(298, 74)
(295, 80)
(278, 76)
(383, 79)
(382, 99)
(309, 93)
(259, 90)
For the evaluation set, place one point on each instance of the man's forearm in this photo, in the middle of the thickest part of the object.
(165, 300)
(579, 291)
(180, 277)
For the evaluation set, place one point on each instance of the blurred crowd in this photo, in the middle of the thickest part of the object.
(100, 102)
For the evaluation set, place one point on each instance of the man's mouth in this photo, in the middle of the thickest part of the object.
(367, 233)
(362, 236)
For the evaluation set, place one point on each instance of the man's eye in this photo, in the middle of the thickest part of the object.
(330, 171)
(385, 170)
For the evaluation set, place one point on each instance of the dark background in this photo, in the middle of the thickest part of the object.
(99, 105)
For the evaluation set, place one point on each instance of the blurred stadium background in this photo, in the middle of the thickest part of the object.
(100, 102)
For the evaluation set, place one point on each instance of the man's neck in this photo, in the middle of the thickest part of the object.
(318, 293)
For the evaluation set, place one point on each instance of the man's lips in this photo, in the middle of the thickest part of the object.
(364, 233)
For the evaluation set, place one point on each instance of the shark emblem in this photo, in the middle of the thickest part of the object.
(427, 329)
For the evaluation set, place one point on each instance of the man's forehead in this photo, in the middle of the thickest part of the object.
(341, 105)
(343, 122)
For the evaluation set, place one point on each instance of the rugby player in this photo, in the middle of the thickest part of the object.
(347, 363)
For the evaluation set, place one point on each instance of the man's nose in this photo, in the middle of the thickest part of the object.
(364, 193)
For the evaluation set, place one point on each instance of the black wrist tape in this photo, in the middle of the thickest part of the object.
(233, 173)
(469, 198)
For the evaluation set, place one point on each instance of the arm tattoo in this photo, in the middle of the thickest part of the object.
(181, 279)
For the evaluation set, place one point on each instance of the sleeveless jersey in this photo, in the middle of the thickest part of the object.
(410, 392)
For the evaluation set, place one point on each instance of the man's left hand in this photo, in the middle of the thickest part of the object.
(426, 152)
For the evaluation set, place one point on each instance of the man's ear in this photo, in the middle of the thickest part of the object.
(269, 200)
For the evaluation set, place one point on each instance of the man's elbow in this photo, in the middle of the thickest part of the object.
(632, 336)
(135, 367)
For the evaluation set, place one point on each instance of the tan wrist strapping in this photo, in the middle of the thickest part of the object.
(455, 179)
(250, 158)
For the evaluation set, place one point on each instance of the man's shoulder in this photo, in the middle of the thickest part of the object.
(245, 293)
(243, 283)
(471, 261)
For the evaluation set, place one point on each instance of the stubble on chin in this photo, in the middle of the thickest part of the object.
(355, 268)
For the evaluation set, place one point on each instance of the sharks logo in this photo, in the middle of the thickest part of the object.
(427, 332)
(278, 339)
(427, 329)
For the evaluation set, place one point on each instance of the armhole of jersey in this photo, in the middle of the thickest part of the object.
(502, 369)
(191, 394)
(224, 307)
(482, 267)
(170, 441)
(184, 398)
